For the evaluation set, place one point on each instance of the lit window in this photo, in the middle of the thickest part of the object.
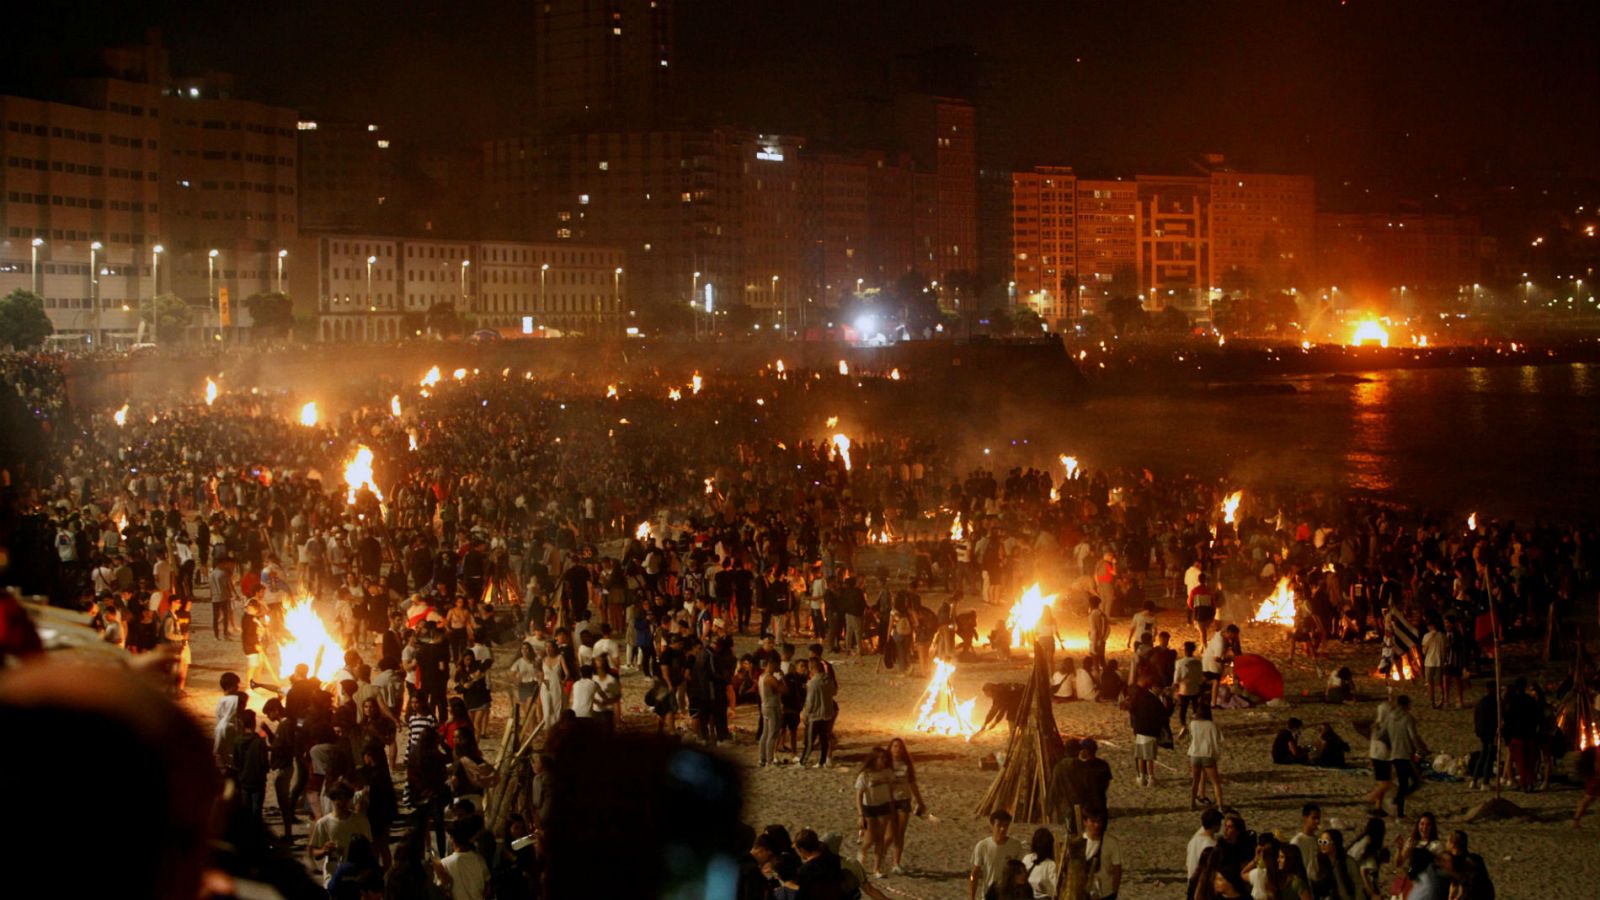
(383, 144)
(604, 165)
(583, 199)
(617, 29)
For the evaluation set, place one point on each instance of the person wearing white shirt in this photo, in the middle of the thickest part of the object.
(583, 693)
(608, 647)
(1041, 865)
(1104, 855)
(1219, 651)
(1191, 578)
(463, 872)
(1205, 836)
(607, 695)
(1205, 747)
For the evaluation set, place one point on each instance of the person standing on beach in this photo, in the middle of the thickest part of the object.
(991, 854)
(1378, 755)
(1148, 716)
(771, 688)
(1205, 746)
(1405, 746)
(1099, 630)
(819, 710)
(1188, 676)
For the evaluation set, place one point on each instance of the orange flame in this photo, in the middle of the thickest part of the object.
(308, 415)
(211, 392)
(430, 379)
(957, 532)
(674, 394)
(894, 374)
(844, 367)
(1071, 464)
(841, 443)
(1370, 332)
(611, 391)
(695, 383)
(1278, 607)
(358, 475)
(394, 406)
(1230, 505)
(642, 533)
(1023, 619)
(940, 711)
(120, 416)
(1472, 522)
(304, 639)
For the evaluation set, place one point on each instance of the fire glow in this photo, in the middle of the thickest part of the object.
(308, 415)
(674, 394)
(940, 711)
(695, 383)
(844, 367)
(120, 416)
(304, 639)
(956, 531)
(1278, 607)
(211, 392)
(431, 379)
(611, 391)
(1369, 332)
(394, 406)
(642, 533)
(1230, 506)
(841, 444)
(358, 475)
(1023, 619)
(1071, 465)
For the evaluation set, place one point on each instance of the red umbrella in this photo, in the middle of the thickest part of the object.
(1258, 675)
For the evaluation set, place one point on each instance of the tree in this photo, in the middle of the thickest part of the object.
(413, 323)
(166, 315)
(1126, 314)
(1170, 320)
(23, 322)
(272, 312)
(444, 320)
(1026, 323)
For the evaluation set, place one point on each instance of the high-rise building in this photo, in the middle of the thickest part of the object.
(346, 177)
(1369, 257)
(80, 207)
(1044, 241)
(229, 185)
(1263, 229)
(1107, 238)
(603, 63)
(1174, 241)
(891, 236)
(845, 225)
(940, 134)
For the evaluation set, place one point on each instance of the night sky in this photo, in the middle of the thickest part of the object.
(1375, 90)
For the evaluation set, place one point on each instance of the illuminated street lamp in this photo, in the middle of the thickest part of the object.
(464, 264)
(282, 255)
(616, 289)
(94, 288)
(543, 271)
(211, 285)
(155, 291)
(368, 328)
(38, 285)
(775, 300)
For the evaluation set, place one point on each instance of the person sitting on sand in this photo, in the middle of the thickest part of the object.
(1063, 682)
(1286, 747)
(1341, 686)
(1331, 748)
(1005, 700)
(1112, 685)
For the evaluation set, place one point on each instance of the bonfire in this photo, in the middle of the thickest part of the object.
(1071, 465)
(1278, 607)
(1023, 619)
(940, 711)
(430, 379)
(120, 416)
(642, 533)
(358, 475)
(303, 638)
(211, 392)
(394, 406)
(894, 374)
(1230, 506)
(1370, 332)
(844, 367)
(695, 383)
(308, 415)
(841, 444)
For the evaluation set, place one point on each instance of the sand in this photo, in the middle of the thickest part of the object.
(1541, 857)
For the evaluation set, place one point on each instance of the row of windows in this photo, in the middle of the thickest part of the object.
(257, 187)
(131, 110)
(65, 234)
(236, 156)
(230, 215)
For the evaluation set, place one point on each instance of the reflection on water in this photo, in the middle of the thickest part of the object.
(1517, 442)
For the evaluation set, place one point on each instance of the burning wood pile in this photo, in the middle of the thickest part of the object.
(940, 711)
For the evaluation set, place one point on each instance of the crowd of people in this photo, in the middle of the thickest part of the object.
(554, 539)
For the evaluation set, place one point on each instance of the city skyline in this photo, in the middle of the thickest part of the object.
(1393, 97)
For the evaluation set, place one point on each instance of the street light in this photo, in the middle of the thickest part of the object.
(94, 288)
(859, 282)
(282, 254)
(543, 270)
(38, 286)
(775, 301)
(211, 279)
(464, 264)
(368, 329)
(616, 289)
(155, 291)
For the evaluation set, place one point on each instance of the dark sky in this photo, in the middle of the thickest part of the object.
(1372, 89)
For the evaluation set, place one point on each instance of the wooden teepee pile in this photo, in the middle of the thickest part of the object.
(1022, 786)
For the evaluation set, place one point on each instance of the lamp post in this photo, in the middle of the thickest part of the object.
(543, 271)
(155, 291)
(367, 327)
(211, 289)
(282, 255)
(616, 292)
(38, 285)
(94, 288)
(464, 264)
(775, 300)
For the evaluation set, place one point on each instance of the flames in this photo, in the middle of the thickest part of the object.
(459, 374)
(411, 441)
(1278, 607)
(674, 394)
(1369, 332)
(695, 383)
(1399, 670)
(894, 374)
(431, 379)
(957, 532)
(394, 406)
(358, 475)
(844, 367)
(1071, 465)
(308, 415)
(1230, 506)
(642, 533)
(779, 367)
(304, 639)
(120, 416)
(211, 392)
(1472, 520)
(1023, 619)
(833, 422)
(940, 711)
(879, 534)
(611, 391)
(711, 486)
(841, 445)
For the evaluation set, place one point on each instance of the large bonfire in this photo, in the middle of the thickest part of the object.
(1277, 608)
(940, 711)
(304, 639)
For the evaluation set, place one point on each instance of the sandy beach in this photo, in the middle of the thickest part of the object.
(1539, 857)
